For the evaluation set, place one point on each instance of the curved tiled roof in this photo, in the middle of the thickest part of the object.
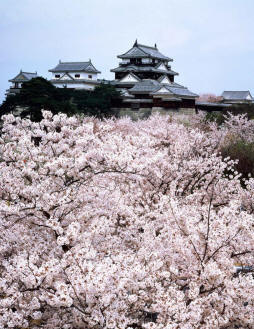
(153, 86)
(181, 91)
(75, 67)
(142, 51)
(236, 95)
(146, 85)
(24, 76)
(135, 68)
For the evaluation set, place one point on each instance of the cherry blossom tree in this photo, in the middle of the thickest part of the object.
(120, 224)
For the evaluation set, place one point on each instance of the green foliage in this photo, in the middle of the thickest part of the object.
(98, 102)
(35, 95)
(38, 94)
(218, 117)
(244, 152)
(247, 109)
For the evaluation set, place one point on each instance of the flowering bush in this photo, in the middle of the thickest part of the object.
(116, 224)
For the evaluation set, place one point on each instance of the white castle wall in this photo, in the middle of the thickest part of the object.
(83, 75)
(74, 85)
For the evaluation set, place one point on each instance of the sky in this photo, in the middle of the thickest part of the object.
(211, 41)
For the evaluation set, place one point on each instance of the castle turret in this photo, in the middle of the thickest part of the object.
(145, 73)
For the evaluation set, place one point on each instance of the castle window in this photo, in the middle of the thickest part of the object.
(90, 76)
(57, 76)
(77, 75)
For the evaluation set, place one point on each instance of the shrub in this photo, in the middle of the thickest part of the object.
(247, 109)
(243, 152)
(217, 117)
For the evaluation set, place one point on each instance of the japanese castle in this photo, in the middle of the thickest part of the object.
(18, 80)
(146, 80)
(78, 75)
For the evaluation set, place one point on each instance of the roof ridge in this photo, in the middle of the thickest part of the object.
(74, 62)
(242, 91)
(139, 44)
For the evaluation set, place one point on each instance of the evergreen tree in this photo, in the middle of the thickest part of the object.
(39, 94)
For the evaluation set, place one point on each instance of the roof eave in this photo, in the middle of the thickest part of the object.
(74, 81)
(173, 99)
(140, 92)
(188, 97)
(145, 56)
(86, 71)
(132, 56)
(18, 80)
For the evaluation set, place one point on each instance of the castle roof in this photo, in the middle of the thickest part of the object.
(147, 68)
(146, 85)
(154, 86)
(143, 51)
(24, 76)
(165, 77)
(236, 95)
(75, 67)
(182, 91)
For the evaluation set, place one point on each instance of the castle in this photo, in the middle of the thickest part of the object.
(144, 78)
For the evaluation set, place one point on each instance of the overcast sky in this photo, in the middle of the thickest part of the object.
(211, 41)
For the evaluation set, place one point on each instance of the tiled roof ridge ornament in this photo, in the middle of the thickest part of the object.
(135, 43)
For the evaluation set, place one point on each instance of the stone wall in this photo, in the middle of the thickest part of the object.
(144, 113)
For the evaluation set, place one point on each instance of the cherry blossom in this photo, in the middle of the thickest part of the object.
(121, 224)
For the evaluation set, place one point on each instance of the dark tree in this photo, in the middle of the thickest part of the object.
(97, 102)
(36, 95)
(247, 109)
(39, 94)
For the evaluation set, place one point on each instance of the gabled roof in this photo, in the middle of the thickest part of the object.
(164, 78)
(161, 64)
(131, 75)
(236, 95)
(177, 91)
(162, 89)
(75, 67)
(24, 76)
(142, 51)
(171, 84)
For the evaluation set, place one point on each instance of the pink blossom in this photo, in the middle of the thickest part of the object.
(120, 224)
